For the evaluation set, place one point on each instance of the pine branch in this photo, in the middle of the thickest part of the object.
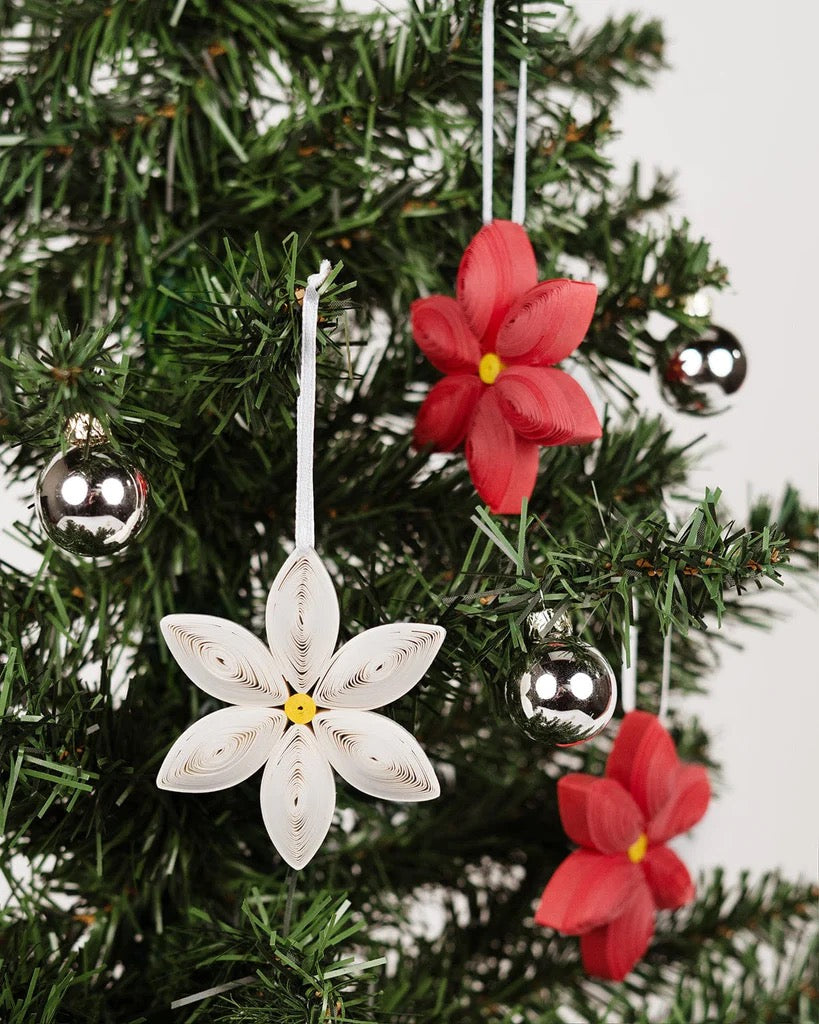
(155, 162)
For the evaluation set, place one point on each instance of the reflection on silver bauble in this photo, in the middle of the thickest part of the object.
(564, 692)
(91, 500)
(700, 374)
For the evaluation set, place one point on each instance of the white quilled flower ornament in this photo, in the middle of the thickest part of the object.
(296, 707)
(299, 709)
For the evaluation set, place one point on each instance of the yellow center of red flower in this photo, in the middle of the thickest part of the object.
(637, 850)
(489, 367)
(300, 708)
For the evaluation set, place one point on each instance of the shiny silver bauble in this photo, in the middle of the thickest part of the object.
(564, 692)
(700, 374)
(91, 500)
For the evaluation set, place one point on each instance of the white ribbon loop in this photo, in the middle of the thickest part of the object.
(665, 682)
(519, 172)
(628, 675)
(306, 411)
(487, 103)
(488, 117)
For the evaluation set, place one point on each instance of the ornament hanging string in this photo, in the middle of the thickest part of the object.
(519, 171)
(665, 681)
(306, 411)
(665, 677)
(628, 674)
(488, 117)
(487, 103)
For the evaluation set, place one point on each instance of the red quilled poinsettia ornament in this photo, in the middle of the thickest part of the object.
(498, 342)
(608, 891)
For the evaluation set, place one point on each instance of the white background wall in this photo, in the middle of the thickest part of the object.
(736, 118)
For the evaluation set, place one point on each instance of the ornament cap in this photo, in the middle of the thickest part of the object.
(698, 304)
(82, 429)
(545, 623)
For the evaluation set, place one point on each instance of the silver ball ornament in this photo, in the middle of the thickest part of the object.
(91, 500)
(564, 691)
(700, 374)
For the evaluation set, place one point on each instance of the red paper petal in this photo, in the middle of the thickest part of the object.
(668, 878)
(644, 761)
(503, 466)
(598, 813)
(547, 323)
(497, 268)
(443, 335)
(588, 890)
(547, 406)
(611, 951)
(688, 801)
(445, 415)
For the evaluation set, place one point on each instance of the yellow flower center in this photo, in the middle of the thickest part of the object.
(637, 850)
(300, 708)
(489, 367)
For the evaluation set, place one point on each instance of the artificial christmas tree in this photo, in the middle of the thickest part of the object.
(171, 173)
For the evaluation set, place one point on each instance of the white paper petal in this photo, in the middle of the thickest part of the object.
(375, 755)
(298, 796)
(302, 619)
(221, 750)
(379, 666)
(224, 659)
